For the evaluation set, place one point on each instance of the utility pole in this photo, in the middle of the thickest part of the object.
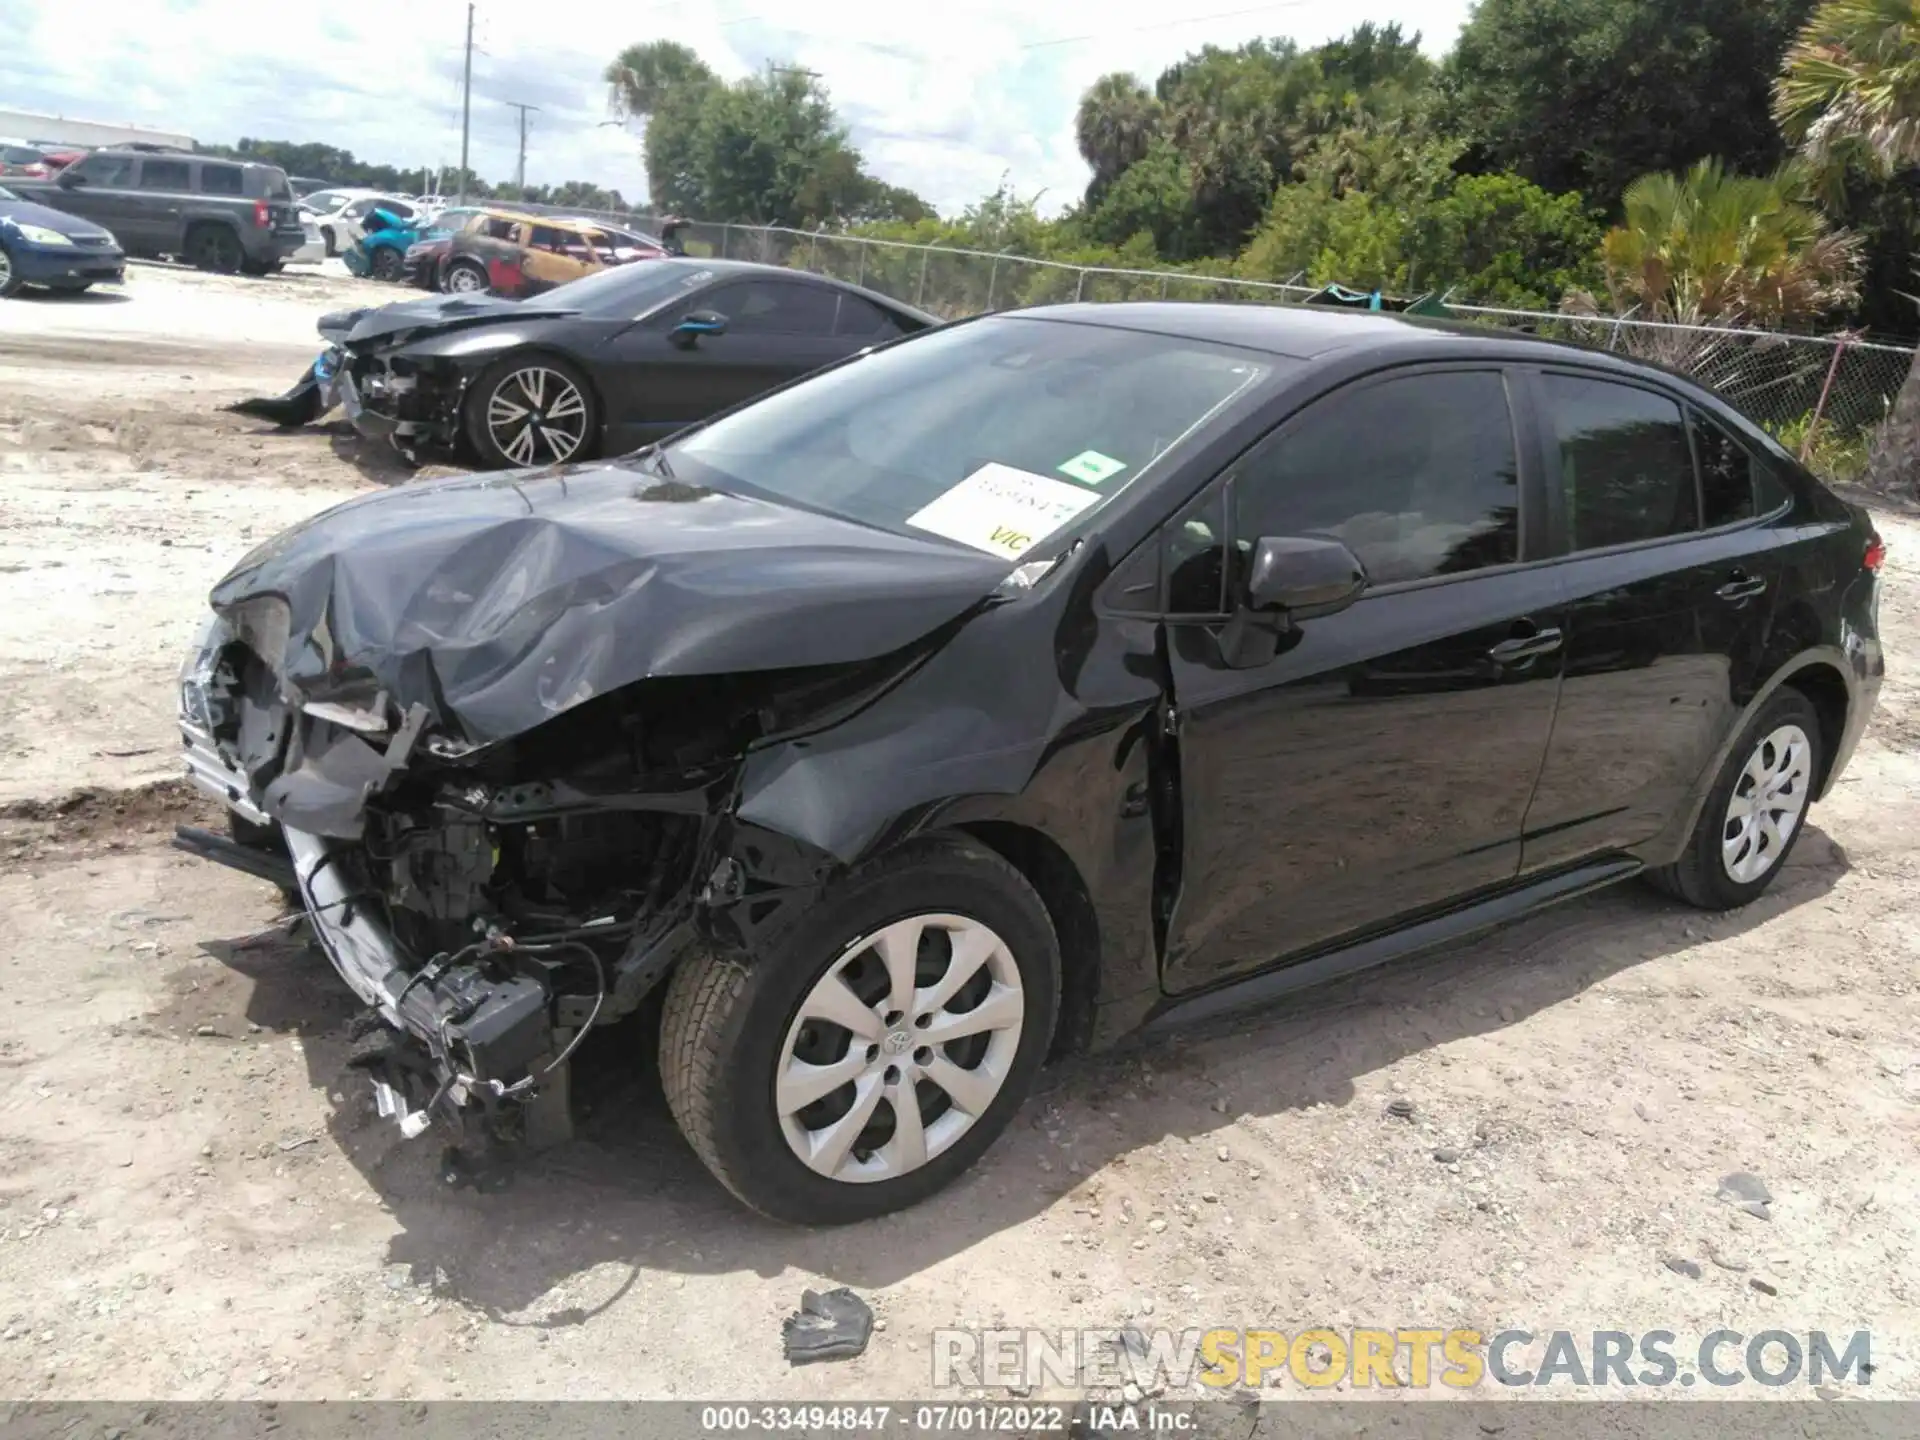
(466, 104)
(520, 172)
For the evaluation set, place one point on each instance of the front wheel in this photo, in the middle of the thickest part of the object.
(1755, 811)
(529, 410)
(872, 1053)
(465, 277)
(387, 264)
(10, 281)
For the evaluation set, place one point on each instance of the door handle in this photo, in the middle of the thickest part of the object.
(1525, 647)
(1741, 586)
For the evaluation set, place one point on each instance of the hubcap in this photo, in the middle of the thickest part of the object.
(463, 280)
(6, 267)
(1768, 800)
(899, 1048)
(537, 416)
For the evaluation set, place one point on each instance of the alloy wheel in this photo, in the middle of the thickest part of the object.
(1768, 801)
(465, 280)
(899, 1048)
(6, 269)
(536, 416)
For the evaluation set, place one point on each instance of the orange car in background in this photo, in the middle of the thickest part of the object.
(505, 252)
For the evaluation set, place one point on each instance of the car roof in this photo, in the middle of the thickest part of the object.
(1295, 332)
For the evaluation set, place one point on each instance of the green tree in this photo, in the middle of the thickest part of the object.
(1850, 93)
(1502, 240)
(1712, 246)
(1116, 122)
(1588, 95)
(1154, 196)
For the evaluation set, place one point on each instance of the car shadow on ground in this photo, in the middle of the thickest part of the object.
(627, 1196)
(92, 296)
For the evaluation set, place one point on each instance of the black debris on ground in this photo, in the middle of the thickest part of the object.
(833, 1326)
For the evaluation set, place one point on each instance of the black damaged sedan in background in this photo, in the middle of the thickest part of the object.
(1002, 692)
(597, 366)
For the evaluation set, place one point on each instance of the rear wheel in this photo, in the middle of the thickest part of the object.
(531, 409)
(466, 277)
(872, 1053)
(214, 248)
(326, 239)
(1755, 811)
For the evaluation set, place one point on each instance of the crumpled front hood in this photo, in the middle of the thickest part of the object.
(431, 314)
(500, 601)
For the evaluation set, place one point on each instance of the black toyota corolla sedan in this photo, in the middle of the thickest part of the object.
(1008, 689)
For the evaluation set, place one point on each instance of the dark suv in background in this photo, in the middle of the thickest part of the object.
(223, 215)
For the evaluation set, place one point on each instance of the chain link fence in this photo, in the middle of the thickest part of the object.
(1841, 386)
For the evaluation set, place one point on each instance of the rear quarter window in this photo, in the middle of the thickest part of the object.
(164, 174)
(222, 180)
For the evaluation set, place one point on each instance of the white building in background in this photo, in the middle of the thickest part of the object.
(41, 129)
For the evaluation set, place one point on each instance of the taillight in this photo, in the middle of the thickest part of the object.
(262, 215)
(1876, 553)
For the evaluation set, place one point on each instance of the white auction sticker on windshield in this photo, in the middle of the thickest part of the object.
(1002, 510)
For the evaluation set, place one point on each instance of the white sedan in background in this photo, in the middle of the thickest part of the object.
(338, 213)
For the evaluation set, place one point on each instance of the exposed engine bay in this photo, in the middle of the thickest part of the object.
(502, 760)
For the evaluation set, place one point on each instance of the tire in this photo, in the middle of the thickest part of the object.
(326, 239)
(527, 381)
(466, 277)
(1717, 871)
(10, 281)
(214, 248)
(727, 1029)
(387, 264)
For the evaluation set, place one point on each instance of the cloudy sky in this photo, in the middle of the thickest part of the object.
(942, 98)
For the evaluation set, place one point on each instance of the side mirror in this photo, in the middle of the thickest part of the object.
(67, 180)
(1290, 578)
(695, 324)
(1297, 573)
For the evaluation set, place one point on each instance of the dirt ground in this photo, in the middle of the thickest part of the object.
(195, 1204)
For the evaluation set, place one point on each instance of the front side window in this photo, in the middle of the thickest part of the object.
(1415, 475)
(221, 180)
(1626, 471)
(774, 307)
(105, 172)
(995, 434)
(163, 175)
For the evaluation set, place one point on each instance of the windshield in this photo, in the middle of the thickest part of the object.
(993, 434)
(628, 290)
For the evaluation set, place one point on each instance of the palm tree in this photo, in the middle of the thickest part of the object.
(1850, 93)
(1116, 122)
(641, 76)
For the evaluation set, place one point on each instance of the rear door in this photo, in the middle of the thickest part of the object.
(1670, 580)
(553, 257)
(777, 329)
(1380, 763)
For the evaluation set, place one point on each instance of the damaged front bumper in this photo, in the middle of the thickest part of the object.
(384, 397)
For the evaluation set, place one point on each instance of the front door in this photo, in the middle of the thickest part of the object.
(99, 190)
(1670, 583)
(1380, 764)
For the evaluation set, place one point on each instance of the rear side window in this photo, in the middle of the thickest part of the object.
(222, 180)
(1416, 476)
(163, 175)
(545, 237)
(1626, 470)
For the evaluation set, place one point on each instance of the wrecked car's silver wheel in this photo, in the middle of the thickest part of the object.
(881, 1072)
(531, 410)
(875, 1041)
(465, 278)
